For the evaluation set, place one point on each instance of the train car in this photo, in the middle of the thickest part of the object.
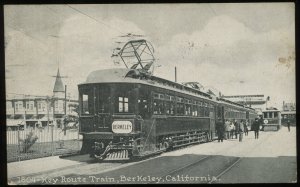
(142, 116)
(129, 113)
(288, 116)
(123, 116)
(271, 120)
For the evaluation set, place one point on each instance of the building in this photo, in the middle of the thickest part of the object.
(254, 101)
(288, 112)
(29, 110)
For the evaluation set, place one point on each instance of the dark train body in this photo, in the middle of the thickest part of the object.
(123, 115)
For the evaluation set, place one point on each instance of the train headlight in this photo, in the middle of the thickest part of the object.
(121, 126)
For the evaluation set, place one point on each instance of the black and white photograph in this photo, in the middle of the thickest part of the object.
(198, 93)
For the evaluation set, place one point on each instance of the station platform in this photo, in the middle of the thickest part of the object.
(31, 167)
(274, 144)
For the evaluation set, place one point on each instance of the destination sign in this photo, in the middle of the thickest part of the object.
(121, 126)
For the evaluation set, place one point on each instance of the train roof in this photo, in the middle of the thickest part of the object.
(118, 75)
(272, 110)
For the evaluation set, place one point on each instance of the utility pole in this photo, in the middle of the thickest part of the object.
(24, 107)
(48, 112)
(65, 124)
(175, 74)
(53, 99)
(65, 99)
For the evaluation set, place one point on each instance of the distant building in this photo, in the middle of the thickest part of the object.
(39, 110)
(288, 112)
(254, 101)
(288, 106)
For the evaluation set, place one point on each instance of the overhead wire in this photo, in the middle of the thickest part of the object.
(95, 19)
(26, 34)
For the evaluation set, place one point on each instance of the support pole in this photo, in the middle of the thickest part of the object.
(175, 74)
(65, 122)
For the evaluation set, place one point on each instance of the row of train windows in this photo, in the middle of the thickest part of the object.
(165, 104)
(181, 100)
(270, 114)
(235, 115)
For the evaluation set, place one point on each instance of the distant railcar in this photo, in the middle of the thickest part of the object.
(124, 115)
(271, 120)
(288, 116)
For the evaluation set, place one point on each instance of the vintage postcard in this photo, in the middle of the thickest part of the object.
(150, 93)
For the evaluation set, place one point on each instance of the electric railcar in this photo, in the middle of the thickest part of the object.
(124, 115)
(271, 120)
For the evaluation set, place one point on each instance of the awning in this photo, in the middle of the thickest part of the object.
(288, 112)
(14, 122)
(45, 118)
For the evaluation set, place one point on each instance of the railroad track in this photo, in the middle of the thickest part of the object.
(200, 161)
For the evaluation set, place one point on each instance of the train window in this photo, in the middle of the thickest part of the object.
(275, 115)
(86, 97)
(161, 96)
(194, 110)
(158, 104)
(200, 109)
(187, 107)
(170, 105)
(157, 107)
(270, 114)
(265, 115)
(143, 107)
(180, 106)
(168, 98)
(123, 104)
(85, 107)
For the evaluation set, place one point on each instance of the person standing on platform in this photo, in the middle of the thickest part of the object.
(232, 129)
(246, 127)
(288, 124)
(236, 128)
(241, 130)
(227, 129)
(220, 130)
(256, 128)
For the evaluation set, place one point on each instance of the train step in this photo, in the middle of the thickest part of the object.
(118, 155)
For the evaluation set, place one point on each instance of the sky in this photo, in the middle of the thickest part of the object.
(235, 48)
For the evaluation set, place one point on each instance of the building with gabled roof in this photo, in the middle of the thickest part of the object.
(29, 110)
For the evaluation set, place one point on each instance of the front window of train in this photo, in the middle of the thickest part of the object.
(86, 98)
(95, 99)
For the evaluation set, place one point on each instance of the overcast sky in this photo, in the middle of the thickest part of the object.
(234, 48)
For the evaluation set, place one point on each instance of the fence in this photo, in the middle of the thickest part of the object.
(30, 143)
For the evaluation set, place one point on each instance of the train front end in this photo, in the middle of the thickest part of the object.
(108, 123)
(271, 120)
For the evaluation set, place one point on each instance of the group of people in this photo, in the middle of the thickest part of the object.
(235, 129)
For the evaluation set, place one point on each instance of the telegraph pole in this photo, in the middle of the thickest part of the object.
(65, 99)
(48, 112)
(175, 74)
(65, 124)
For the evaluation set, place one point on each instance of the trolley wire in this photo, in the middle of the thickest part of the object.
(95, 19)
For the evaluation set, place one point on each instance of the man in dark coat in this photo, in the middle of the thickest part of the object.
(288, 124)
(256, 128)
(236, 125)
(220, 130)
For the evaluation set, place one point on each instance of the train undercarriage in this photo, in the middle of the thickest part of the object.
(137, 147)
